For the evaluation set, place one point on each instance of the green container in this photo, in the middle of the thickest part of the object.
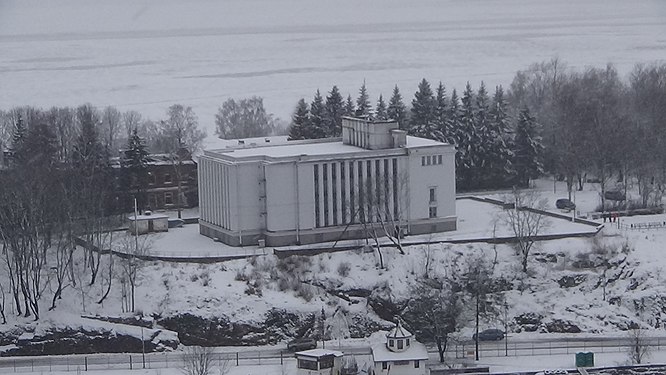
(584, 359)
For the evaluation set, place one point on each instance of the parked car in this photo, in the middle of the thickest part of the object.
(565, 204)
(489, 335)
(303, 343)
(615, 195)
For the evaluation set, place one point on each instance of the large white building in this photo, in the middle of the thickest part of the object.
(302, 192)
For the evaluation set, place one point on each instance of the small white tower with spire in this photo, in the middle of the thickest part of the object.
(400, 354)
(398, 339)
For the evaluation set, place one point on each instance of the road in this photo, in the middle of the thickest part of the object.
(253, 356)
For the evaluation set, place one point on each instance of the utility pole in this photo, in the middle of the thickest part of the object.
(476, 340)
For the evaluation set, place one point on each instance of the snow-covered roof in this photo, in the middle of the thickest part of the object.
(398, 332)
(318, 353)
(416, 350)
(147, 217)
(334, 146)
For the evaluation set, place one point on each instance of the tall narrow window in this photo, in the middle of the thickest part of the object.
(439, 159)
(369, 198)
(316, 195)
(433, 194)
(343, 193)
(361, 193)
(353, 215)
(396, 205)
(386, 188)
(334, 193)
(324, 172)
(378, 186)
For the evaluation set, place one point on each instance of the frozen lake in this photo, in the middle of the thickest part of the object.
(147, 55)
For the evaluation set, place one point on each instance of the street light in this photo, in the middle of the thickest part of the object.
(506, 331)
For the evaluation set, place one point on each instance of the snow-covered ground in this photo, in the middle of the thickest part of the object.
(476, 220)
(146, 55)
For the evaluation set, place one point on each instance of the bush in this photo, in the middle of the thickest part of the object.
(344, 268)
(306, 292)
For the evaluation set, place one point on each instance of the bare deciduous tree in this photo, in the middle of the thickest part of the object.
(134, 247)
(525, 221)
(639, 348)
(199, 360)
(433, 312)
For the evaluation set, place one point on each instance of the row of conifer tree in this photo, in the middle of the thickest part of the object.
(494, 148)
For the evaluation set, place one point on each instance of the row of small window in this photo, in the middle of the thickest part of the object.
(399, 343)
(152, 179)
(431, 160)
(324, 363)
(385, 364)
(168, 199)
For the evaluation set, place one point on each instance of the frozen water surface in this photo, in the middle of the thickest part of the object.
(147, 55)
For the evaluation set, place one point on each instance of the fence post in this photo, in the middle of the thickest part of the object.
(130, 362)
(236, 358)
(85, 362)
(282, 363)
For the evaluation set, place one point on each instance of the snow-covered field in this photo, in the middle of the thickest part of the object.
(145, 55)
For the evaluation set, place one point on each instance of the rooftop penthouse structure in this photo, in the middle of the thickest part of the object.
(302, 192)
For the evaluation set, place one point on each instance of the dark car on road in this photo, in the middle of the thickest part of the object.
(564, 204)
(304, 343)
(490, 335)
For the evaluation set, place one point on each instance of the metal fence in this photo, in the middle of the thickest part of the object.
(134, 361)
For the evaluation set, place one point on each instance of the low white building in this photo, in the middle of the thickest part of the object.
(311, 191)
(318, 362)
(401, 354)
(148, 223)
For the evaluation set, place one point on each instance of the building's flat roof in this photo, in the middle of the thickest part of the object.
(147, 217)
(317, 148)
(319, 353)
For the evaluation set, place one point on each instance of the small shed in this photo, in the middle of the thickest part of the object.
(318, 362)
(148, 223)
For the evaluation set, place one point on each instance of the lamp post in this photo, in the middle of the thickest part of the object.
(143, 349)
(506, 331)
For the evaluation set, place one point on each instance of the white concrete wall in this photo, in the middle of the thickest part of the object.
(407, 369)
(421, 178)
(306, 196)
(281, 196)
(248, 176)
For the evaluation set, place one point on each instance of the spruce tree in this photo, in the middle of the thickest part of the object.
(468, 139)
(299, 128)
(455, 134)
(317, 124)
(363, 102)
(17, 148)
(423, 105)
(528, 149)
(134, 168)
(441, 113)
(334, 113)
(350, 108)
(396, 109)
(381, 112)
(500, 150)
(484, 139)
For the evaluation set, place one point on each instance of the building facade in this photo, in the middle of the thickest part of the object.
(166, 176)
(313, 191)
(401, 354)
